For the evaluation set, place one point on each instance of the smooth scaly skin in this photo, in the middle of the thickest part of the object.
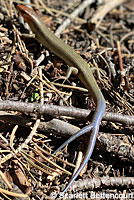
(68, 54)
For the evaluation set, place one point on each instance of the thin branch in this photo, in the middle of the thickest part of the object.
(102, 182)
(104, 9)
(53, 110)
(75, 13)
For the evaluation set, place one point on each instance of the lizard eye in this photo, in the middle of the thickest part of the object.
(23, 12)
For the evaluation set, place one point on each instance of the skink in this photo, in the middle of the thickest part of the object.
(68, 54)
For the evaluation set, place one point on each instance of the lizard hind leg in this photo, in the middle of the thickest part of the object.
(70, 70)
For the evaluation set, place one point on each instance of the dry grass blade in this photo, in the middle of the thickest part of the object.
(25, 155)
(50, 162)
(49, 154)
